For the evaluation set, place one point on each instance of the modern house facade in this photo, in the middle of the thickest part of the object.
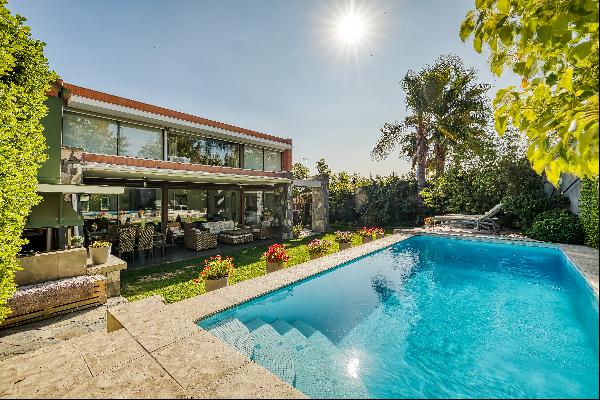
(120, 159)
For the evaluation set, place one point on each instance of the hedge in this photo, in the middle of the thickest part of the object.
(24, 82)
(588, 211)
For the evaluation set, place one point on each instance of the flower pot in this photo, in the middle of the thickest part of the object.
(344, 246)
(99, 255)
(367, 239)
(214, 284)
(274, 266)
(379, 235)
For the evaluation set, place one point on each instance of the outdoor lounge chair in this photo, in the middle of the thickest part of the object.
(485, 221)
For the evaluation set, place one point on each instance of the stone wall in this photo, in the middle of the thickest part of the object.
(284, 210)
(320, 206)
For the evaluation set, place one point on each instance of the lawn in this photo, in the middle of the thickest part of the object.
(174, 281)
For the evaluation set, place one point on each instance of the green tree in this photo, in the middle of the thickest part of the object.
(323, 168)
(448, 116)
(24, 81)
(553, 46)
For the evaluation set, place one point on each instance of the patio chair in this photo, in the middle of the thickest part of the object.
(485, 221)
(196, 239)
(145, 240)
(126, 240)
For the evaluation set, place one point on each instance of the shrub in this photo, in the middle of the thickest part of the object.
(24, 80)
(588, 211)
(276, 254)
(99, 243)
(558, 226)
(217, 267)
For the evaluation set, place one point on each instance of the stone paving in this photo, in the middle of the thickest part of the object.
(30, 337)
(156, 350)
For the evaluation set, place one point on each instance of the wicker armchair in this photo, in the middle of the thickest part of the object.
(195, 239)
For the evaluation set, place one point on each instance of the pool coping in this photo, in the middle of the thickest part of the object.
(171, 335)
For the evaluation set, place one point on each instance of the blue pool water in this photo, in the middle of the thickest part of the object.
(428, 317)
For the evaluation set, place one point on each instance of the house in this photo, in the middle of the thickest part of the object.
(119, 159)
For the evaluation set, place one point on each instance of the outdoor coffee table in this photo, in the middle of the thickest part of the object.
(236, 236)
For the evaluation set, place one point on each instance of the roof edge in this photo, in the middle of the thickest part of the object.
(138, 105)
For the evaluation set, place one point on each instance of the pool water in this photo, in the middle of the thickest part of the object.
(428, 317)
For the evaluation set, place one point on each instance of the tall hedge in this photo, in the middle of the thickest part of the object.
(588, 211)
(24, 81)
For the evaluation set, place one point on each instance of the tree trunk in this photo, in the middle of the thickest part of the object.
(421, 158)
(440, 159)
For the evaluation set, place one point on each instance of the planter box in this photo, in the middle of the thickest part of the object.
(274, 266)
(344, 246)
(378, 236)
(99, 255)
(367, 239)
(214, 284)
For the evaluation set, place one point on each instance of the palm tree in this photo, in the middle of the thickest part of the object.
(448, 116)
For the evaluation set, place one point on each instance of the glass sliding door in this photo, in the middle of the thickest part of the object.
(187, 205)
(223, 205)
(136, 203)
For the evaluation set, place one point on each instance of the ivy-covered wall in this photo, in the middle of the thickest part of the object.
(24, 80)
(588, 211)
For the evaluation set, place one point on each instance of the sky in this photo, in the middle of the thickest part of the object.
(275, 66)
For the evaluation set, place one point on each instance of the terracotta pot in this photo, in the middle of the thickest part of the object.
(214, 284)
(274, 266)
(99, 255)
(367, 239)
(344, 246)
(379, 236)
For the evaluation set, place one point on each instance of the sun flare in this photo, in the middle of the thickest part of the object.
(351, 28)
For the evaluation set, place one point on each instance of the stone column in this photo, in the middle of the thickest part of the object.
(283, 201)
(320, 206)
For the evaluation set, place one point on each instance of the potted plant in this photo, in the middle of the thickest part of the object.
(216, 271)
(276, 256)
(76, 241)
(344, 239)
(99, 251)
(317, 248)
(296, 231)
(366, 234)
(379, 233)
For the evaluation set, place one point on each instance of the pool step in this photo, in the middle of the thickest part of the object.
(271, 351)
(297, 353)
(321, 368)
(234, 333)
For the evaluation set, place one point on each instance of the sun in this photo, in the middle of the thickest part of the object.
(351, 28)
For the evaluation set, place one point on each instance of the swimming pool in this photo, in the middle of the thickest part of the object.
(428, 317)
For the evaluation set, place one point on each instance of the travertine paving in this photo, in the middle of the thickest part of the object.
(156, 350)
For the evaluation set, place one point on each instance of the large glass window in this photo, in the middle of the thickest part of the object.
(140, 141)
(187, 205)
(194, 149)
(253, 158)
(272, 160)
(223, 205)
(95, 135)
(136, 203)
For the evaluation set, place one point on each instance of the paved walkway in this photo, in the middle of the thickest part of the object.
(28, 338)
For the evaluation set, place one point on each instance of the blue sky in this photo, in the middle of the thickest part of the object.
(267, 65)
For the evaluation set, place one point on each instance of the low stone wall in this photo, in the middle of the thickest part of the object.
(57, 265)
(52, 266)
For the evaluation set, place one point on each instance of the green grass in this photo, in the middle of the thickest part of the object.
(174, 281)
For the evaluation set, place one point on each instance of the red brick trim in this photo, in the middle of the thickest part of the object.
(286, 163)
(109, 98)
(158, 164)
